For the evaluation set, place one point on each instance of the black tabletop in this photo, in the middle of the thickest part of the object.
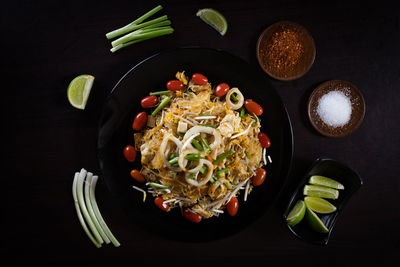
(45, 44)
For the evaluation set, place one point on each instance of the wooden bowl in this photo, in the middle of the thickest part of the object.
(357, 104)
(267, 43)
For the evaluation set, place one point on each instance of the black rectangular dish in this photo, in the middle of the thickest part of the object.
(337, 171)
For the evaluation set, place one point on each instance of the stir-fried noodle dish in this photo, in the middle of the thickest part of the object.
(201, 147)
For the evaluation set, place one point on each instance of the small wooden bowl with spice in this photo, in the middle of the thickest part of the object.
(336, 108)
(285, 50)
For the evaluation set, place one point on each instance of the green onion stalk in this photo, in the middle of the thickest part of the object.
(134, 23)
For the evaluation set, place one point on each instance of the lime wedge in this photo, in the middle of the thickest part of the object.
(319, 205)
(297, 213)
(315, 222)
(325, 181)
(213, 18)
(320, 191)
(79, 90)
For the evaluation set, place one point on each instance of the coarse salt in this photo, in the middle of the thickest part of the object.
(334, 108)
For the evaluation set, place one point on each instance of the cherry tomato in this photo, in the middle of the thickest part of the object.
(252, 107)
(140, 121)
(264, 140)
(130, 153)
(191, 216)
(221, 89)
(199, 79)
(175, 85)
(259, 178)
(232, 206)
(159, 201)
(149, 101)
(135, 174)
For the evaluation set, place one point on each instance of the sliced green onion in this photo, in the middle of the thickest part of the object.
(180, 134)
(203, 170)
(173, 161)
(191, 176)
(172, 156)
(205, 145)
(161, 92)
(222, 157)
(160, 106)
(257, 119)
(160, 186)
(218, 173)
(242, 112)
(197, 145)
(228, 184)
(247, 154)
(207, 125)
(128, 27)
(234, 98)
(194, 156)
(212, 180)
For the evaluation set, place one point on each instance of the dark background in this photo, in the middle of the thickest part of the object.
(45, 44)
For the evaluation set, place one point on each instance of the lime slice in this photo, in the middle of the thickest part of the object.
(213, 18)
(320, 191)
(79, 90)
(325, 181)
(315, 222)
(319, 205)
(297, 213)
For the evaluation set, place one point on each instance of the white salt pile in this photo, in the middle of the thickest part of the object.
(334, 108)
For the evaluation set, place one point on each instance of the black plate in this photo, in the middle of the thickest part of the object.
(115, 133)
(337, 171)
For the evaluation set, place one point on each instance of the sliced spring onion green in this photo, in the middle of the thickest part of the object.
(166, 92)
(180, 134)
(191, 176)
(257, 119)
(205, 145)
(197, 145)
(242, 112)
(247, 154)
(160, 106)
(173, 161)
(207, 125)
(222, 157)
(234, 98)
(194, 156)
(212, 180)
(228, 184)
(203, 169)
(218, 173)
